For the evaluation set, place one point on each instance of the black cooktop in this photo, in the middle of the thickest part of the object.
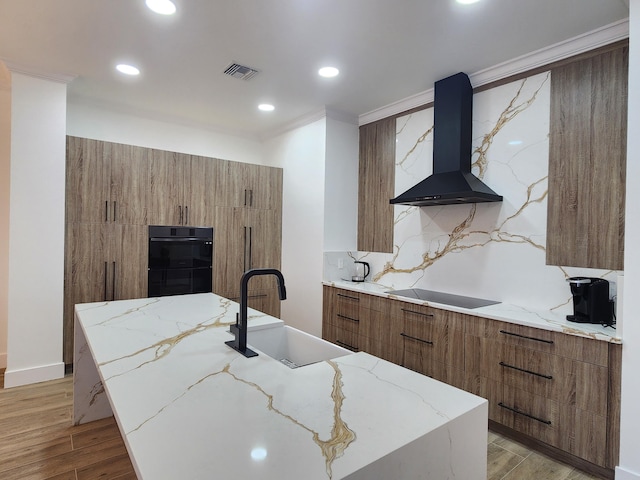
(444, 298)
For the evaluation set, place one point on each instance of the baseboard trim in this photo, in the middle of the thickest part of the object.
(555, 453)
(27, 376)
(622, 474)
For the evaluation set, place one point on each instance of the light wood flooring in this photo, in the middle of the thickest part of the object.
(38, 442)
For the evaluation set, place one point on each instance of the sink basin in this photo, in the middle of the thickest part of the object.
(293, 347)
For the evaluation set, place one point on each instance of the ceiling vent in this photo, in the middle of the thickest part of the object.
(240, 71)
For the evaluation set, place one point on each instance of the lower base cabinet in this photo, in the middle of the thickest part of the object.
(561, 390)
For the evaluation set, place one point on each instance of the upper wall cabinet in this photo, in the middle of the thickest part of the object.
(240, 184)
(587, 162)
(376, 186)
(106, 182)
(181, 189)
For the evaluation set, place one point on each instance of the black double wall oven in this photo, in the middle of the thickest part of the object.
(180, 260)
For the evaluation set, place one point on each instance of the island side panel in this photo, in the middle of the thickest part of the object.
(90, 401)
(457, 449)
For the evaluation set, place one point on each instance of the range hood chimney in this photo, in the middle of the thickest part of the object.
(452, 181)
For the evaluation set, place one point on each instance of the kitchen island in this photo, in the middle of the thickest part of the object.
(190, 407)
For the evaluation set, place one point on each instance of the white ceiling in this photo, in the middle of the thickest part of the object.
(386, 50)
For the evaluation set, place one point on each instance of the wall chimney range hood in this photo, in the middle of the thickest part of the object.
(452, 181)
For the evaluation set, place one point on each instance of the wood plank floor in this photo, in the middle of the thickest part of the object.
(38, 442)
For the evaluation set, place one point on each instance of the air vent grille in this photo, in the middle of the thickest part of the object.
(242, 72)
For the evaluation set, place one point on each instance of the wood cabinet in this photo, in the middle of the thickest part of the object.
(562, 391)
(376, 186)
(106, 182)
(246, 185)
(547, 385)
(181, 189)
(114, 192)
(587, 162)
(245, 239)
(103, 262)
(431, 341)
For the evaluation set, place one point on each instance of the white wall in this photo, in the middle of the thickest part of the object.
(5, 172)
(36, 235)
(341, 185)
(301, 154)
(629, 468)
(89, 121)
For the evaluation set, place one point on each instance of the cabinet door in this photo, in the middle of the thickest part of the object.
(199, 208)
(587, 162)
(131, 252)
(264, 187)
(129, 180)
(87, 182)
(230, 184)
(263, 243)
(229, 252)
(166, 187)
(86, 274)
(246, 185)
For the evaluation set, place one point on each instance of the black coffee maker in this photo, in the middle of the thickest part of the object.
(591, 302)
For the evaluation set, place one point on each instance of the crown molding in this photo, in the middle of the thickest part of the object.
(583, 43)
(37, 73)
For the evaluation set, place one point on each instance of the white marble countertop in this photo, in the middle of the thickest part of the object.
(502, 311)
(190, 407)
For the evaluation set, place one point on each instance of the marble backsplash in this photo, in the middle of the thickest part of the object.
(487, 250)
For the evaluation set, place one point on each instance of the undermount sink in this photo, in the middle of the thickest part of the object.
(293, 347)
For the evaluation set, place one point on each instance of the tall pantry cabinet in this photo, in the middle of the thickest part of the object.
(114, 192)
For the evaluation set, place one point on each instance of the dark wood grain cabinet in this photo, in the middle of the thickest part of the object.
(562, 391)
(587, 162)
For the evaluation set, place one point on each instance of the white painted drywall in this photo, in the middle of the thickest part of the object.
(629, 465)
(36, 234)
(5, 169)
(341, 186)
(301, 154)
(100, 123)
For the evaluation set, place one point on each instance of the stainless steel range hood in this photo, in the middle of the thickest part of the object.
(452, 181)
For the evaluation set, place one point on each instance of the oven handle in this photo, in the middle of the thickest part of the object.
(180, 239)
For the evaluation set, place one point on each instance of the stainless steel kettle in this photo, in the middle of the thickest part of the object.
(360, 272)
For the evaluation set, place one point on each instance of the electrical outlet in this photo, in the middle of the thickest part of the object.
(340, 263)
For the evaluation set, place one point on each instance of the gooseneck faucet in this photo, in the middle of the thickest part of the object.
(239, 330)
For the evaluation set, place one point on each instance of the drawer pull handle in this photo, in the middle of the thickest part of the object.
(347, 346)
(415, 338)
(550, 342)
(349, 297)
(417, 313)
(347, 318)
(548, 377)
(515, 410)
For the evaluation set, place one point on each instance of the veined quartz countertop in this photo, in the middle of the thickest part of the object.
(502, 311)
(190, 407)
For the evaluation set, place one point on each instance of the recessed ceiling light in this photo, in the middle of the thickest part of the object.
(163, 7)
(266, 107)
(127, 69)
(467, 2)
(328, 72)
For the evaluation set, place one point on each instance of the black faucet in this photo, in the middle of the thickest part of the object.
(239, 330)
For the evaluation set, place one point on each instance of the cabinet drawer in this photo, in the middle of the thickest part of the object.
(345, 323)
(569, 346)
(398, 308)
(347, 304)
(347, 339)
(533, 415)
(375, 303)
(442, 344)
